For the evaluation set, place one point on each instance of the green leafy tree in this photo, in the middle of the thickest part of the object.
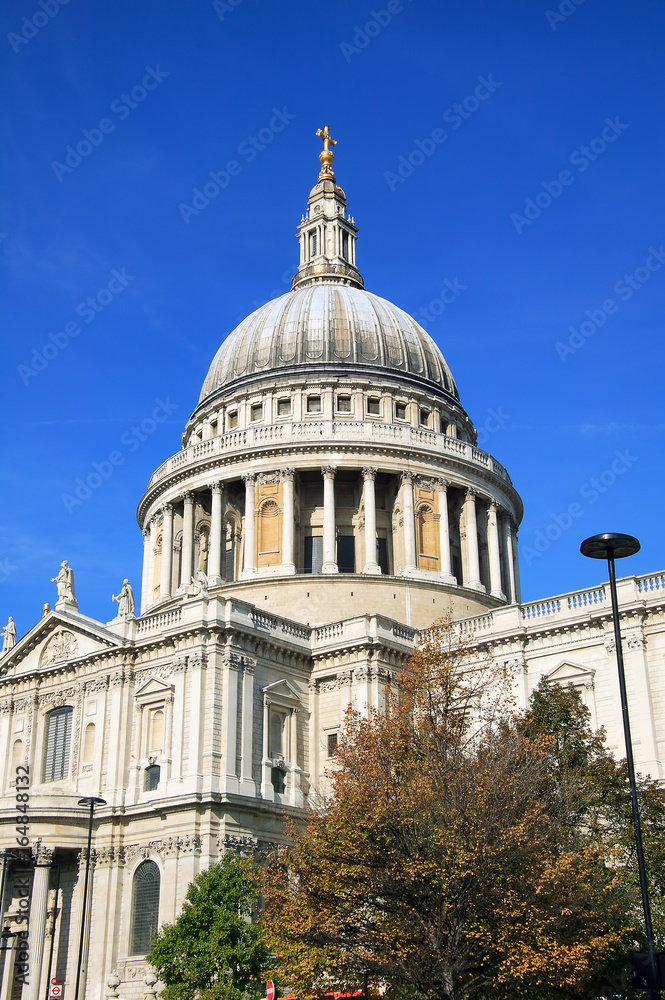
(213, 951)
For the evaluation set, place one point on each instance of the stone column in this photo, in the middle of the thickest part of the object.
(187, 554)
(249, 564)
(494, 553)
(510, 566)
(288, 521)
(329, 554)
(166, 569)
(247, 786)
(444, 533)
(474, 581)
(409, 523)
(145, 578)
(371, 565)
(37, 927)
(516, 570)
(216, 536)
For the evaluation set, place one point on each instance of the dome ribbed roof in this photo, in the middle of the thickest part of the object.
(327, 326)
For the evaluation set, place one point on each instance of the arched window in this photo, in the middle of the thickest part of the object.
(17, 756)
(89, 743)
(58, 740)
(145, 907)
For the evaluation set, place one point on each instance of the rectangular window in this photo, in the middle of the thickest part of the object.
(277, 722)
(313, 243)
(283, 407)
(257, 411)
(374, 406)
(345, 244)
(400, 411)
(152, 777)
(344, 404)
(443, 424)
(313, 404)
(58, 740)
(313, 553)
(346, 554)
(332, 744)
(424, 418)
(382, 554)
(277, 779)
(232, 420)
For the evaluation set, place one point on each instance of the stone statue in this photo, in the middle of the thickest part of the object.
(9, 636)
(201, 582)
(125, 600)
(65, 583)
(203, 550)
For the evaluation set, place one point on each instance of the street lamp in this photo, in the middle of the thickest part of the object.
(91, 801)
(613, 546)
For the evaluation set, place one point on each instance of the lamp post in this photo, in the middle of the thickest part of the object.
(91, 801)
(613, 546)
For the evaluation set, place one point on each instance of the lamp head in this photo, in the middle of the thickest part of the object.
(610, 545)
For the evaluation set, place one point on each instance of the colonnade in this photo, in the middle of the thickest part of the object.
(498, 529)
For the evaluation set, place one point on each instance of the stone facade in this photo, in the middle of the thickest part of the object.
(328, 502)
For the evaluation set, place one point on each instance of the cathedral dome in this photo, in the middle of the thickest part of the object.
(329, 327)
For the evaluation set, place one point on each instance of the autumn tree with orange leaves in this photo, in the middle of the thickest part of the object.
(458, 853)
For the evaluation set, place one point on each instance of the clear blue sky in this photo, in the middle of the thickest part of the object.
(202, 78)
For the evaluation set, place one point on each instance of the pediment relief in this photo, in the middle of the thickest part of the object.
(54, 641)
(63, 645)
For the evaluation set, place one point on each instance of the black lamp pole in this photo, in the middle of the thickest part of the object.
(613, 546)
(91, 801)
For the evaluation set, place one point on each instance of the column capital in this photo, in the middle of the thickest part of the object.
(216, 487)
(166, 508)
(369, 472)
(408, 477)
(328, 471)
(43, 855)
(471, 494)
(188, 496)
(493, 506)
(442, 484)
(287, 473)
(249, 478)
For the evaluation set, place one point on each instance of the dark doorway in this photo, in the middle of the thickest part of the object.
(313, 553)
(346, 554)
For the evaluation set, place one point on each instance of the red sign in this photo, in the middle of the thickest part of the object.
(270, 990)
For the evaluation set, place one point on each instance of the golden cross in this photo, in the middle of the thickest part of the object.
(328, 141)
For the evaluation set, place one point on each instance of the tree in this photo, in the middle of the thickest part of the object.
(213, 951)
(452, 859)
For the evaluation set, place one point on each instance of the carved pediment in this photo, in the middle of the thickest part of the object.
(63, 645)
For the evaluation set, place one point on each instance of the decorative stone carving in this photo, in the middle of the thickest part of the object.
(62, 645)
(97, 684)
(9, 636)
(125, 600)
(65, 584)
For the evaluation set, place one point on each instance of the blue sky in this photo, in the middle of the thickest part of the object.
(542, 196)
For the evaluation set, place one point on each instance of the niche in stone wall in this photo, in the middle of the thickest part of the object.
(269, 524)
